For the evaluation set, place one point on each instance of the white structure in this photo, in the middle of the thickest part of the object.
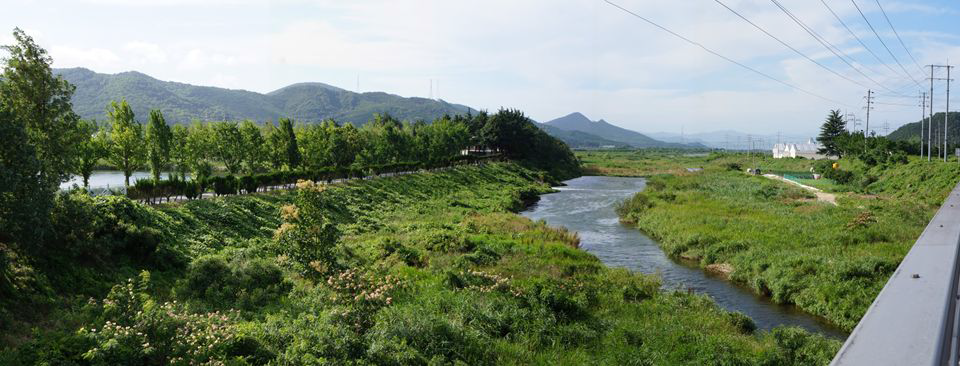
(807, 150)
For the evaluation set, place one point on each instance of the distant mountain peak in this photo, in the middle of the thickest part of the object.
(576, 121)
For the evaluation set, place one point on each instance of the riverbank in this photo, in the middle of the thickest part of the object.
(428, 267)
(828, 260)
(587, 205)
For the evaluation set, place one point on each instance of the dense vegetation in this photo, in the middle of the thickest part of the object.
(773, 237)
(412, 269)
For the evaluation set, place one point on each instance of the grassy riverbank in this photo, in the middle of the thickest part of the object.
(829, 260)
(427, 268)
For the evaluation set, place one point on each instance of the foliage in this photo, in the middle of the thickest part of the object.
(90, 149)
(830, 133)
(534, 298)
(158, 143)
(126, 139)
(38, 121)
(235, 283)
(134, 329)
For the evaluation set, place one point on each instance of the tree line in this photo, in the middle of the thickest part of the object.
(51, 143)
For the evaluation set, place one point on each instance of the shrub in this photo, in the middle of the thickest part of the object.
(742, 322)
(734, 166)
(240, 283)
(630, 208)
(136, 330)
(248, 183)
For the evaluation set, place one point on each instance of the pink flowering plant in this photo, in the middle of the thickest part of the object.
(357, 296)
(136, 330)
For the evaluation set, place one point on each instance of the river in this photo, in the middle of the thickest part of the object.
(586, 205)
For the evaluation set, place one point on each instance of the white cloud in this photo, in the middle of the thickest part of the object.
(96, 58)
(144, 52)
(200, 59)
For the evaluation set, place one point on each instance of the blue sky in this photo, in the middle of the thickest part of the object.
(548, 58)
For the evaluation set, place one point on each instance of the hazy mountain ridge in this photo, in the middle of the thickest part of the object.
(182, 102)
(578, 122)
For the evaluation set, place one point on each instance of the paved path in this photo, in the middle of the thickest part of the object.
(821, 195)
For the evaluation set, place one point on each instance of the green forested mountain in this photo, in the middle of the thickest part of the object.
(604, 130)
(184, 102)
(911, 131)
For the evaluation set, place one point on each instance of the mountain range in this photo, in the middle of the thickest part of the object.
(305, 102)
(181, 103)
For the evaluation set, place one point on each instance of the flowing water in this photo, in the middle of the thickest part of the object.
(586, 205)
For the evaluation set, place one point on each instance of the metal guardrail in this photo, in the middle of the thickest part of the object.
(914, 320)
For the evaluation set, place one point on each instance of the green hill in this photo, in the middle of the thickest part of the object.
(911, 131)
(184, 102)
(604, 130)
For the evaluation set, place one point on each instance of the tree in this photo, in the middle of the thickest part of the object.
(274, 147)
(253, 147)
(126, 139)
(830, 134)
(90, 149)
(291, 151)
(200, 143)
(158, 138)
(39, 120)
(179, 150)
(228, 145)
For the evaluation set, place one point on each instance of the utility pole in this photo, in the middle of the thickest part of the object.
(947, 79)
(866, 131)
(946, 114)
(923, 116)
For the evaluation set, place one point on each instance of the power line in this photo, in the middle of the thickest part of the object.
(898, 35)
(826, 44)
(855, 36)
(675, 34)
(884, 43)
(787, 45)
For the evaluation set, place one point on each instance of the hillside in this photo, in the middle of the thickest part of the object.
(603, 129)
(184, 102)
(580, 139)
(911, 131)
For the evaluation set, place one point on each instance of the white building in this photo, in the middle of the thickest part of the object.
(807, 150)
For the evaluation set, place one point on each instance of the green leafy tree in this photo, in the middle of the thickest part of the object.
(253, 147)
(831, 134)
(158, 139)
(90, 149)
(126, 139)
(39, 121)
(200, 144)
(289, 144)
(274, 146)
(228, 145)
(179, 150)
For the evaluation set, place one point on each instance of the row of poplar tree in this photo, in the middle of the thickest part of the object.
(248, 148)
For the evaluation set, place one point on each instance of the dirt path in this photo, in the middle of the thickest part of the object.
(821, 195)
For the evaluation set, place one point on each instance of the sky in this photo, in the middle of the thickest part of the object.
(546, 57)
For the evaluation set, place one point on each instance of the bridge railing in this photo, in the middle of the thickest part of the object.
(914, 320)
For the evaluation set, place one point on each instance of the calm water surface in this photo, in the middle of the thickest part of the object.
(586, 205)
(107, 179)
